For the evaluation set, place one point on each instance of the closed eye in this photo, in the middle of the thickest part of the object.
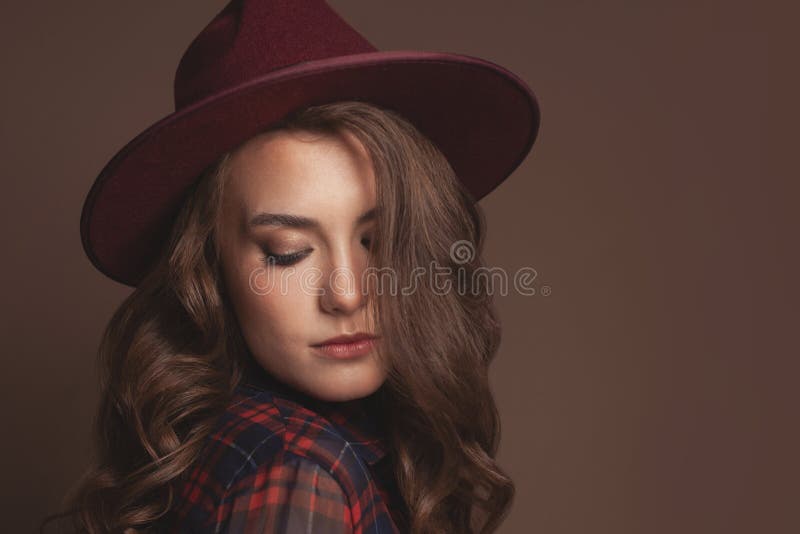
(283, 260)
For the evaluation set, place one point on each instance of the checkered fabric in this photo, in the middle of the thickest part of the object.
(279, 461)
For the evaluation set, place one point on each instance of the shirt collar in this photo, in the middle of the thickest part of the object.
(357, 421)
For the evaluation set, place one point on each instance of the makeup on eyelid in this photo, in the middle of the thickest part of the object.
(271, 256)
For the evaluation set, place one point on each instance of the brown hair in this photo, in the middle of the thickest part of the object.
(172, 353)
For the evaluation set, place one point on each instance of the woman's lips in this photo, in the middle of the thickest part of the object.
(349, 350)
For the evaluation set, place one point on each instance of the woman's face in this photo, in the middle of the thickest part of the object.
(285, 309)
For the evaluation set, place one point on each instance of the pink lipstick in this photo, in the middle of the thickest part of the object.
(346, 347)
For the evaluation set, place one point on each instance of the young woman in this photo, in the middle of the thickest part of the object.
(303, 351)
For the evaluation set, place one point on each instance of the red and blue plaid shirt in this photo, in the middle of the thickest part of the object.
(280, 461)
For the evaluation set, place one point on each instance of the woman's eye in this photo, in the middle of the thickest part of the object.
(283, 260)
(367, 242)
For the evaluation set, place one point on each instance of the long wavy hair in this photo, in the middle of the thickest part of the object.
(172, 353)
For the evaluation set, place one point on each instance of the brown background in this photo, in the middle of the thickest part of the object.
(652, 392)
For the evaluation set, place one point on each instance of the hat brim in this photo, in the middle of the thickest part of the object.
(481, 116)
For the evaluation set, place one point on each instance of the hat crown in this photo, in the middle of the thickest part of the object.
(248, 39)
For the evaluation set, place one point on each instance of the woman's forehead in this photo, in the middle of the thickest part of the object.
(301, 173)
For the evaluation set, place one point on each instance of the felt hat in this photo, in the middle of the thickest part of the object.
(257, 61)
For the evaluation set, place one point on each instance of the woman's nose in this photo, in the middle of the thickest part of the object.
(342, 284)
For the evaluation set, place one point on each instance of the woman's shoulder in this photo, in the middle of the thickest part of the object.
(295, 462)
(260, 427)
(259, 422)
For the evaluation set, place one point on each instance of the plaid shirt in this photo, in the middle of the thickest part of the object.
(279, 461)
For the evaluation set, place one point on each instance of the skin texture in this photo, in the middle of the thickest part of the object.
(283, 310)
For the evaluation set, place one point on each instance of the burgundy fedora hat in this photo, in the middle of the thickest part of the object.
(257, 61)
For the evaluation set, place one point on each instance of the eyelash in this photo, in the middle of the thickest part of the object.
(284, 260)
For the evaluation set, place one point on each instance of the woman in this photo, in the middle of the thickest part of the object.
(230, 403)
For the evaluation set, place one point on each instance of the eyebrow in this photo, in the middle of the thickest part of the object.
(299, 221)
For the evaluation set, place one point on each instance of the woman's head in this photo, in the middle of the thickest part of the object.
(296, 226)
(177, 347)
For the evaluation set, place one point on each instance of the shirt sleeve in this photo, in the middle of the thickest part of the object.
(289, 495)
